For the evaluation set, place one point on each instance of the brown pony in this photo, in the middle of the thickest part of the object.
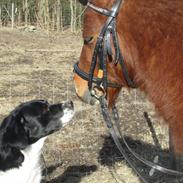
(150, 34)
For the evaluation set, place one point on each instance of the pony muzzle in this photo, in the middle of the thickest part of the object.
(83, 92)
(89, 98)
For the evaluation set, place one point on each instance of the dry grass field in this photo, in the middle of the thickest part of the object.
(38, 65)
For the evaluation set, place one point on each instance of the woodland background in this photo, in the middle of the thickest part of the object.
(52, 15)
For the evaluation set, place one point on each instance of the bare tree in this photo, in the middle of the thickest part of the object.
(12, 14)
(75, 16)
(39, 13)
(72, 15)
(25, 2)
(0, 15)
(80, 16)
(59, 13)
(19, 19)
(48, 14)
(53, 16)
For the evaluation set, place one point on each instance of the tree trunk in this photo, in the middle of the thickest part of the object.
(47, 15)
(1, 16)
(75, 17)
(72, 15)
(39, 13)
(80, 16)
(12, 14)
(58, 15)
(19, 17)
(53, 17)
(61, 18)
(26, 12)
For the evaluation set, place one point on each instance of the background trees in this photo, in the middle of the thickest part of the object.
(54, 15)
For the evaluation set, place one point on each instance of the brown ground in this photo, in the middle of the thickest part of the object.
(39, 65)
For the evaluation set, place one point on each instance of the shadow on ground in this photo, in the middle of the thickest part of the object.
(109, 155)
(72, 174)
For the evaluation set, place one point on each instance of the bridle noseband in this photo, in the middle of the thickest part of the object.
(103, 50)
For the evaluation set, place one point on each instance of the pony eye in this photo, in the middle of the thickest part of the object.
(88, 40)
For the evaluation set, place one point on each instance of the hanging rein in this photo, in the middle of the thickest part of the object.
(101, 52)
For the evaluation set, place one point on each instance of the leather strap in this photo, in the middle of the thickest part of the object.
(96, 80)
(114, 129)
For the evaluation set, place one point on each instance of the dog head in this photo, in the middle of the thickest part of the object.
(27, 124)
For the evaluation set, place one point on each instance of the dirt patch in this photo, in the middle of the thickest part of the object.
(39, 65)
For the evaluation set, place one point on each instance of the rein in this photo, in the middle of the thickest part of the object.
(101, 52)
(114, 129)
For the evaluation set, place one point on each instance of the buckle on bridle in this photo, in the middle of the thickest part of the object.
(98, 91)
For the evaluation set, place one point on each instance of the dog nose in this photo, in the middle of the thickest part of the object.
(68, 104)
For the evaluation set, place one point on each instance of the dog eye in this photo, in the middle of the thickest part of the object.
(88, 40)
(46, 109)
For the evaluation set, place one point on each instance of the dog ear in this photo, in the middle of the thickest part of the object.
(13, 139)
(15, 134)
(83, 2)
(10, 157)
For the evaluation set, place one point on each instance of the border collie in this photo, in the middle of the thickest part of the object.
(22, 136)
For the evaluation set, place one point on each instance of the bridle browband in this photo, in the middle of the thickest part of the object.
(103, 50)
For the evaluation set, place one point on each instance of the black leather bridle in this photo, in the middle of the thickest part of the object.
(103, 50)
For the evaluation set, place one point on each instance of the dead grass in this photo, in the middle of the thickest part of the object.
(82, 152)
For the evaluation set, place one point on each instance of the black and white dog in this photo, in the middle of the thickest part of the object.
(22, 136)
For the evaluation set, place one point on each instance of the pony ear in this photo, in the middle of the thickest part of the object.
(10, 157)
(83, 2)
